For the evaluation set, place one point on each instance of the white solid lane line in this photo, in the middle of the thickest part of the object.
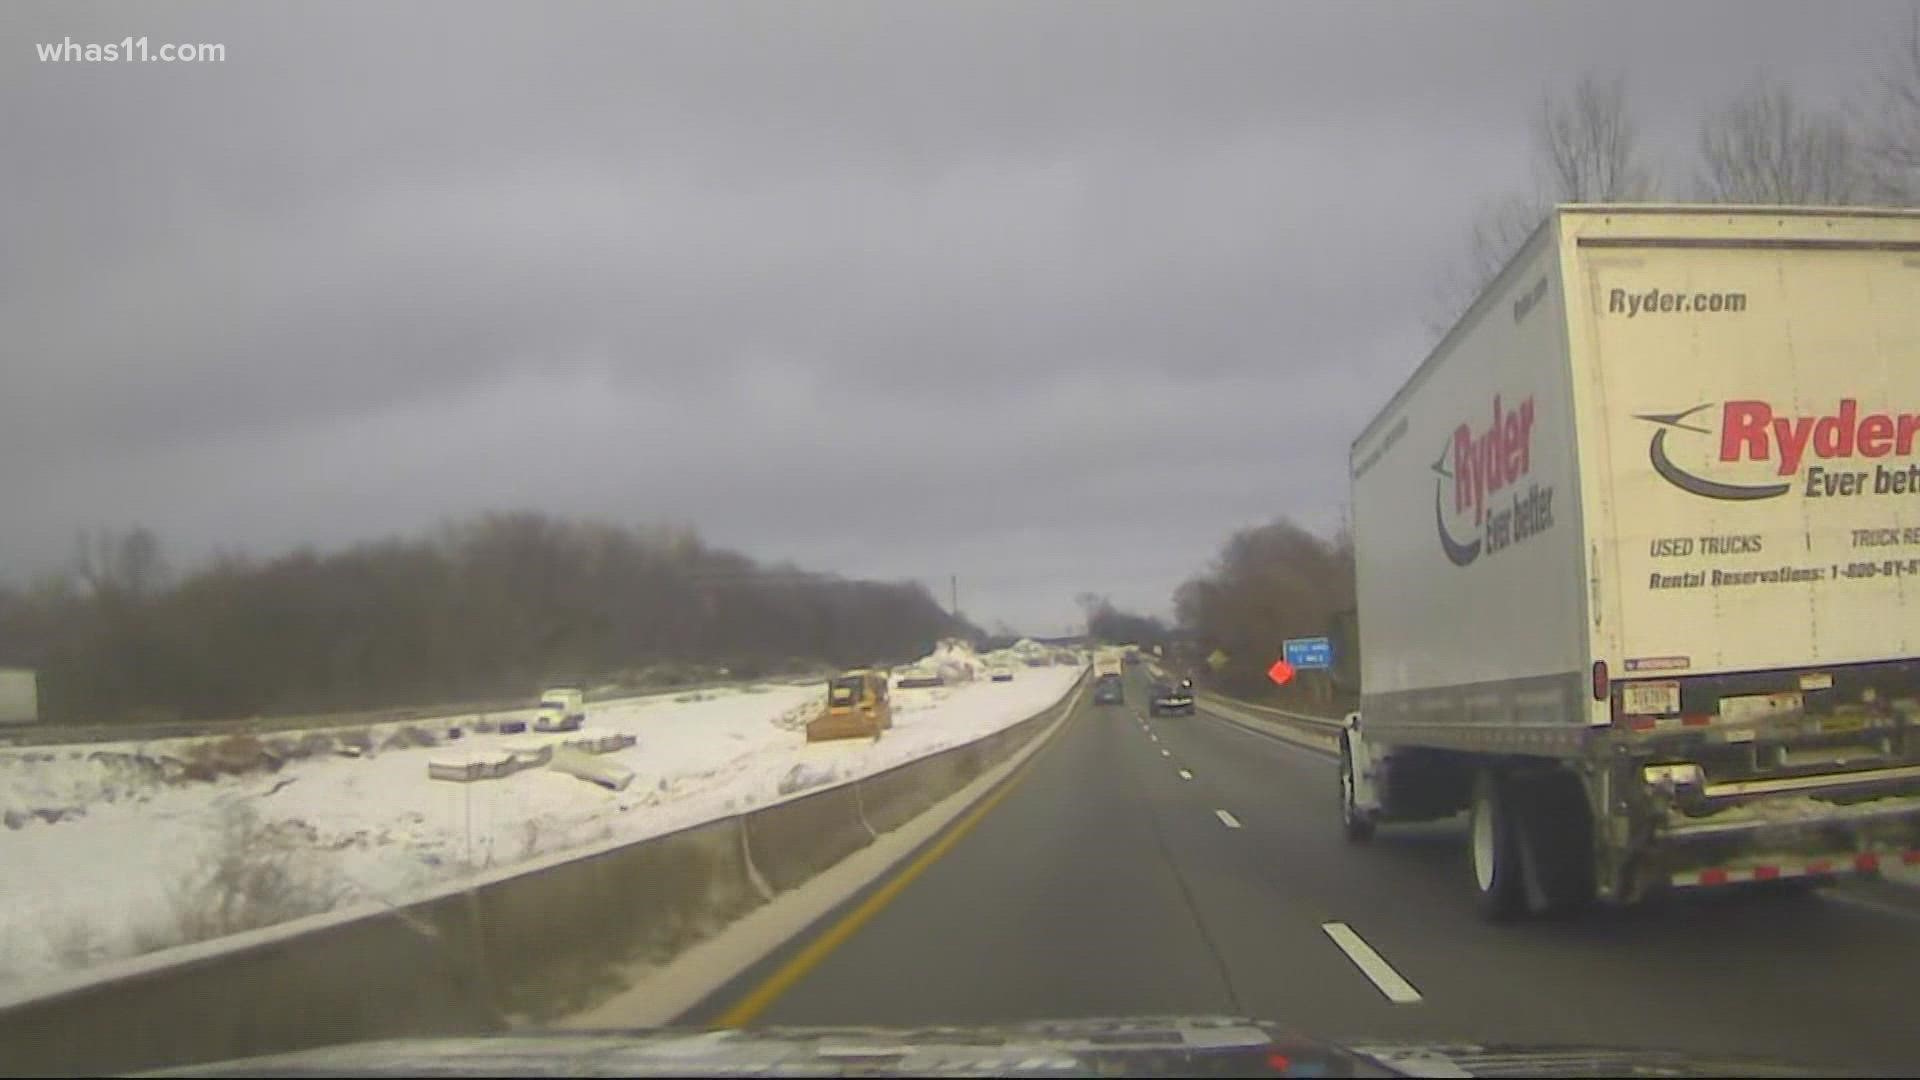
(1398, 990)
(1185, 775)
(1227, 819)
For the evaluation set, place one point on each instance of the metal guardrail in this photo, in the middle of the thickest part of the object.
(1317, 734)
(1318, 723)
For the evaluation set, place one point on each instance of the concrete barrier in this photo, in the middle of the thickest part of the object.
(791, 841)
(369, 977)
(892, 798)
(536, 941)
(551, 934)
(531, 942)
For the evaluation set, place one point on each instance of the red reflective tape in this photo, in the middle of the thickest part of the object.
(1911, 858)
(1641, 723)
(1820, 866)
(1696, 721)
(1713, 877)
(1868, 861)
(1765, 873)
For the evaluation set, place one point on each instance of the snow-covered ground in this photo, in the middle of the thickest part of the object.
(130, 851)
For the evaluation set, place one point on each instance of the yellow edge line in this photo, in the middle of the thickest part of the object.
(756, 1002)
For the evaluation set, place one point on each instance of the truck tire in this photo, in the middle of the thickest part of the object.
(1355, 823)
(1494, 850)
(1555, 830)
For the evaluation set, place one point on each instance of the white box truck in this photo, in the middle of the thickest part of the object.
(19, 696)
(561, 709)
(1638, 561)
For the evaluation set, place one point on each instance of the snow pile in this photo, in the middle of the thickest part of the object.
(955, 660)
(107, 856)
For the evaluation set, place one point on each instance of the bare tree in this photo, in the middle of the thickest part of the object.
(1765, 149)
(1591, 146)
(1891, 146)
(1586, 150)
(119, 563)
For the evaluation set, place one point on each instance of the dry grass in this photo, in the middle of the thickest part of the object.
(251, 876)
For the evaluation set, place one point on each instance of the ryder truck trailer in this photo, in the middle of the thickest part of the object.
(1637, 556)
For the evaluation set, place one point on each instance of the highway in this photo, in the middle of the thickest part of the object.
(1189, 865)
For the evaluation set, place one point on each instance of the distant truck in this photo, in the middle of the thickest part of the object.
(1632, 554)
(561, 709)
(19, 696)
(1108, 663)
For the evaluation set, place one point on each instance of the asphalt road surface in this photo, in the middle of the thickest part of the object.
(1188, 865)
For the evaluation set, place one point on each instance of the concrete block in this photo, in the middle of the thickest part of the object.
(590, 768)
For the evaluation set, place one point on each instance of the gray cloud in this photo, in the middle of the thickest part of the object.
(1071, 290)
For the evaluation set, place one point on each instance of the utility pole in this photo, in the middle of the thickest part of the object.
(953, 582)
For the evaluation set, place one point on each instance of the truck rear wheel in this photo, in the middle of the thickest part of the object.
(1356, 823)
(1494, 850)
(1554, 828)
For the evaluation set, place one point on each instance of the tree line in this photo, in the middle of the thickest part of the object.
(1267, 584)
(489, 607)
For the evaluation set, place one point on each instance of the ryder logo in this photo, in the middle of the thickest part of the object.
(1751, 431)
(1475, 467)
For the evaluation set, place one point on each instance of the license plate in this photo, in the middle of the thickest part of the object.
(1650, 699)
(1832, 724)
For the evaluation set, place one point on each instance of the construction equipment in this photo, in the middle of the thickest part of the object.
(857, 707)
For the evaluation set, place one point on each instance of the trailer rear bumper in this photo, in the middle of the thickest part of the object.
(1787, 837)
(1787, 868)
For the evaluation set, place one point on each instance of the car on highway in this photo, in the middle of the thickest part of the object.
(1001, 674)
(1171, 699)
(1108, 691)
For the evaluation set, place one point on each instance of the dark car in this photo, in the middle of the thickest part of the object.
(1107, 691)
(1171, 699)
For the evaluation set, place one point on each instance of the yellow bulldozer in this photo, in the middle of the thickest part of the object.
(857, 707)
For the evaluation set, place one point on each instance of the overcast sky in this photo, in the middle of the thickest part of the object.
(1050, 296)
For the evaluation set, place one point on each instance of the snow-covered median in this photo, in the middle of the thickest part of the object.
(105, 855)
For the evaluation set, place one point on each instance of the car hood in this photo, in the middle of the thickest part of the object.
(1178, 1046)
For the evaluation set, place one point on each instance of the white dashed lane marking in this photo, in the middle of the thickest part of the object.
(1227, 819)
(1398, 990)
